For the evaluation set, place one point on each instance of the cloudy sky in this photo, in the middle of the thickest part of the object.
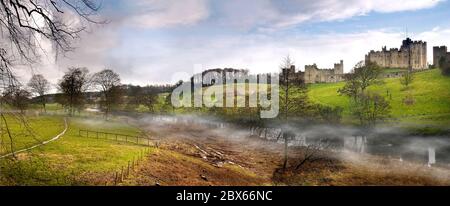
(149, 41)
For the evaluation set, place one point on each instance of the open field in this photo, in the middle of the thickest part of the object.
(71, 160)
(31, 131)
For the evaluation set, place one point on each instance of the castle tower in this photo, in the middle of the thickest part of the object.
(339, 67)
(438, 53)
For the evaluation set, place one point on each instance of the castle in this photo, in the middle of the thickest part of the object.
(412, 54)
(440, 52)
(313, 74)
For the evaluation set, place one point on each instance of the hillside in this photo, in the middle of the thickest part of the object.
(430, 90)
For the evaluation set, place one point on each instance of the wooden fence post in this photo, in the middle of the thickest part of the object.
(115, 178)
(121, 175)
(128, 168)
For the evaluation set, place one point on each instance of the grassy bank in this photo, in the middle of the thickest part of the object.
(72, 160)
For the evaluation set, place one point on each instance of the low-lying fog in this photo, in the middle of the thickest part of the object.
(391, 142)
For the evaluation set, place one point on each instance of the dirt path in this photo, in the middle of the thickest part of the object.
(40, 144)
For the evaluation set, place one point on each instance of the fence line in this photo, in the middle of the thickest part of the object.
(124, 171)
(117, 137)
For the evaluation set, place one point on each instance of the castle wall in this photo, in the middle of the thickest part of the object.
(312, 74)
(315, 75)
(400, 58)
(438, 53)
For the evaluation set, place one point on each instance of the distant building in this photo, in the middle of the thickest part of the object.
(313, 74)
(412, 54)
(438, 53)
(316, 75)
(210, 76)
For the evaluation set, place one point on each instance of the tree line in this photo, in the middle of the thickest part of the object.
(78, 87)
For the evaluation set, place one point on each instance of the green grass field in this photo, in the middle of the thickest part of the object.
(71, 160)
(430, 91)
(31, 134)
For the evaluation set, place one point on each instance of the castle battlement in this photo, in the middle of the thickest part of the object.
(313, 74)
(411, 54)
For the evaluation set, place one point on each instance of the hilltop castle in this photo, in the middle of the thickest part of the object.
(313, 74)
(412, 54)
(440, 52)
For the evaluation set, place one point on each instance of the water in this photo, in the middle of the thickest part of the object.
(388, 142)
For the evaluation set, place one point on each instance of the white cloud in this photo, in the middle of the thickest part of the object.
(282, 13)
(166, 13)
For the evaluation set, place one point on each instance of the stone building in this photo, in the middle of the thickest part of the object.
(313, 74)
(412, 54)
(316, 75)
(438, 53)
(210, 76)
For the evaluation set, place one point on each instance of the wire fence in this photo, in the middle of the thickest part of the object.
(118, 137)
(124, 171)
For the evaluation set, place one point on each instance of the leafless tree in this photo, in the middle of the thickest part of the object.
(313, 152)
(73, 85)
(149, 99)
(293, 99)
(108, 82)
(17, 97)
(407, 78)
(39, 86)
(363, 76)
(25, 24)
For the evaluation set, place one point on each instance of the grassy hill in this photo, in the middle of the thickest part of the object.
(430, 91)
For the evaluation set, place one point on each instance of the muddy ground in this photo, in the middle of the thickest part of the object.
(200, 155)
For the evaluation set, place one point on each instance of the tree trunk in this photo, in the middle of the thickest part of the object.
(285, 152)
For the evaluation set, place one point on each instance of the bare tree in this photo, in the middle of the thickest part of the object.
(40, 86)
(24, 24)
(370, 108)
(149, 99)
(73, 85)
(293, 99)
(367, 107)
(363, 75)
(17, 97)
(407, 78)
(313, 152)
(108, 82)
